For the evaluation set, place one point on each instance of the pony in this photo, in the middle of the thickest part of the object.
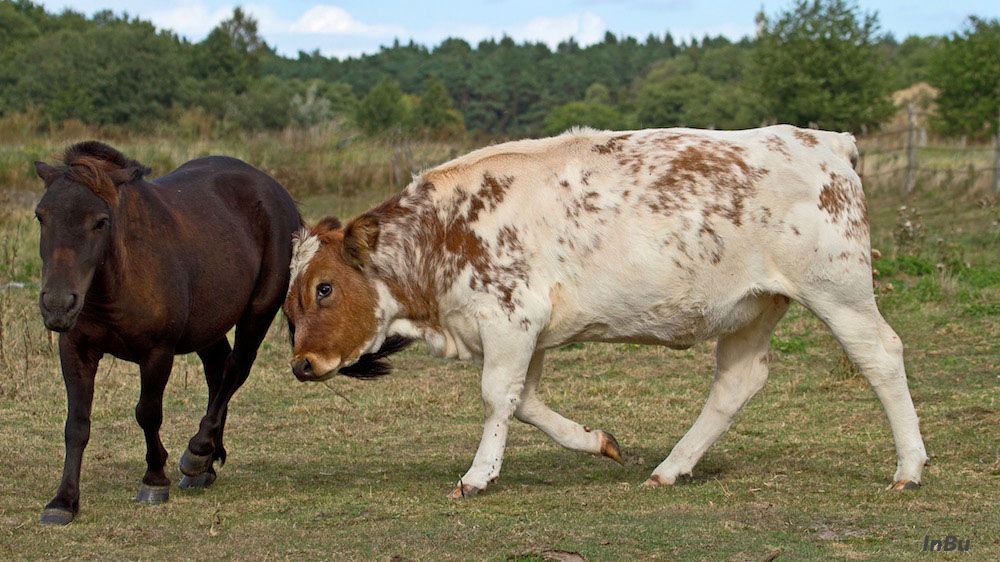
(148, 269)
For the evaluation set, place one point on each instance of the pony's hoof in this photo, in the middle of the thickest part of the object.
(200, 482)
(153, 495)
(610, 448)
(193, 465)
(903, 485)
(464, 491)
(55, 516)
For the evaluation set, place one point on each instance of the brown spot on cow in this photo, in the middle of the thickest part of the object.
(776, 144)
(807, 139)
(614, 144)
(844, 200)
(706, 172)
(459, 247)
(490, 195)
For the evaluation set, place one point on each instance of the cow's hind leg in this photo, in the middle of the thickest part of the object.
(741, 370)
(877, 351)
(213, 358)
(566, 432)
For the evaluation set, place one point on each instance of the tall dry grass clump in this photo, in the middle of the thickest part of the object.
(329, 158)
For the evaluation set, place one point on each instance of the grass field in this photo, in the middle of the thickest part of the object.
(360, 470)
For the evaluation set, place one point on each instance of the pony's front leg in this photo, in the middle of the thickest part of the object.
(79, 365)
(154, 370)
(505, 363)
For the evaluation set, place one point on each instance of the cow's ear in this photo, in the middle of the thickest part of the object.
(360, 238)
(45, 171)
(326, 225)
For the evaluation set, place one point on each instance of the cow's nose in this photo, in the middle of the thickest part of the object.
(302, 369)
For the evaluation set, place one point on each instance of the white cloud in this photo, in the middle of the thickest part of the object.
(586, 28)
(732, 31)
(334, 20)
(190, 18)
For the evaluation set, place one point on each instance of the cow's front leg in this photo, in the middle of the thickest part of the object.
(505, 363)
(566, 432)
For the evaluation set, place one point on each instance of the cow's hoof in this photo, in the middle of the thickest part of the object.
(200, 482)
(656, 480)
(903, 485)
(193, 465)
(55, 516)
(153, 495)
(464, 491)
(610, 448)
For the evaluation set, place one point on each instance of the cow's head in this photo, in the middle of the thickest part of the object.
(333, 306)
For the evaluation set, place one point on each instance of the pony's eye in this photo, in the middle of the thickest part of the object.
(323, 290)
(99, 225)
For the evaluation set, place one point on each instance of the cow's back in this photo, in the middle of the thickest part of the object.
(663, 233)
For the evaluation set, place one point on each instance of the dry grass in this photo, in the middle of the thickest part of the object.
(329, 159)
(314, 476)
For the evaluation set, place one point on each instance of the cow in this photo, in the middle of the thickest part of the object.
(660, 236)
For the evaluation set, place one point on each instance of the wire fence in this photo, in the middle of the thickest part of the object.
(908, 154)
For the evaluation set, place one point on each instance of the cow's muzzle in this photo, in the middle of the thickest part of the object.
(303, 370)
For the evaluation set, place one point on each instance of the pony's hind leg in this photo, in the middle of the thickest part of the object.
(213, 358)
(877, 351)
(250, 331)
(741, 370)
(532, 410)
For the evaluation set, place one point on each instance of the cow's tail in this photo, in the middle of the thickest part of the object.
(845, 146)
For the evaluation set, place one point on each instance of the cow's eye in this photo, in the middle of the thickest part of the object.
(323, 290)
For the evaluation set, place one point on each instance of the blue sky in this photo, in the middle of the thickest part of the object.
(343, 28)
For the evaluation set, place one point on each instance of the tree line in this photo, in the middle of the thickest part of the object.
(821, 62)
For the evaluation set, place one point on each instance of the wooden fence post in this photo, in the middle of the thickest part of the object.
(911, 150)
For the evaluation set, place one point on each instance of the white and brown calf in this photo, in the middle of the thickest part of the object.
(665, 237)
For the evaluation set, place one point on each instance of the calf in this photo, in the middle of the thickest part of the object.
(667, 236)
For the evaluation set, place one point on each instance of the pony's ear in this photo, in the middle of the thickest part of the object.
(360, 238)
(121, 176)
(45, 171)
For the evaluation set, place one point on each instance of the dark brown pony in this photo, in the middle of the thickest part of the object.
(145, 270)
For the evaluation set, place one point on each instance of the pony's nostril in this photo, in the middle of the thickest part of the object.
(72, 301)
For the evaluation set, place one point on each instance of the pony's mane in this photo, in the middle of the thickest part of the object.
(90, 163)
